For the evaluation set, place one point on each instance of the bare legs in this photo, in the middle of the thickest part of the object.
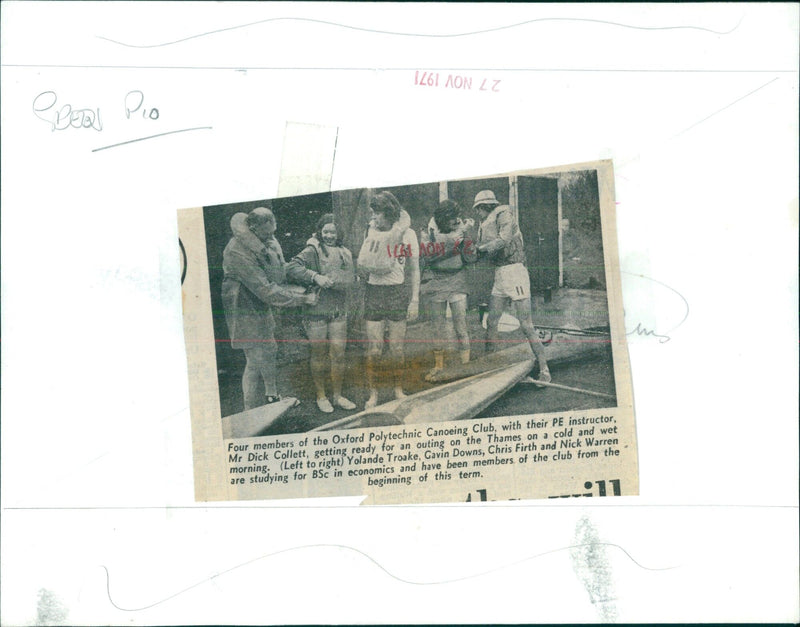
(328, 340)
(337, 331)
(525, 317)
(522, 308)
(317, 336)
(397, 334)
(374, 340)
(458, 309)
(496, 306)
(438, 317)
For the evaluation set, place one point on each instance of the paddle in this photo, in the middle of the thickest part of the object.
(566, 387)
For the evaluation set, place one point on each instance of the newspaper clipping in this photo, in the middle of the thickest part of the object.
(448, 341)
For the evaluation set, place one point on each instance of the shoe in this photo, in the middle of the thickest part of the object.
(272, 398)
(372, 401)
(544, 377)
(341, 401)
(324, 405)
(399, 394)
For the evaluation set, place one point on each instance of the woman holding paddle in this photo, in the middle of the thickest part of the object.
(325, 263)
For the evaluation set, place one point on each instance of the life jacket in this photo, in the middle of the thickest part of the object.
(445, 254)
(269, 255)
(337, 264)
(376, 255)
(514, 250)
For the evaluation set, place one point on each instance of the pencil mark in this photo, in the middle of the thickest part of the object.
(141, 139)
(688, 128)
(374, 562)
(65, 117)
(640, 330)
(430, 35)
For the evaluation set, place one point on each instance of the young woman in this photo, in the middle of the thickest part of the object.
(390, 250)
(328, 265)
(444, 280)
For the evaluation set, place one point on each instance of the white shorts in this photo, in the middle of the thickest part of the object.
(512, 281)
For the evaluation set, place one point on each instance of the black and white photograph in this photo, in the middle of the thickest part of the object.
(420, 303)
(415, 343)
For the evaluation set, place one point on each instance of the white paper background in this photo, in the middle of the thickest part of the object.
(697, 106)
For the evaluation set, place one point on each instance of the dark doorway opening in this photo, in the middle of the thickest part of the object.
(538, 221)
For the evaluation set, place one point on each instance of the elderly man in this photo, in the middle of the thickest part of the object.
(253, 268)
(500, 239)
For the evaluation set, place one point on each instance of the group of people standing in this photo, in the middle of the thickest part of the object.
(257, 279)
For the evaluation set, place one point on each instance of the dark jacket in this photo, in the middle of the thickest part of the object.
(250, 287)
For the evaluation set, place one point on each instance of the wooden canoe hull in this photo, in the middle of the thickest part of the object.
(458, 400)
(559, 346)
(250, 423)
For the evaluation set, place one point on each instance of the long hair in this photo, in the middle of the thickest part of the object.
(385, 202)
(327, 218)
(447, 211)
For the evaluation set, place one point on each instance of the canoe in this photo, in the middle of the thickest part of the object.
(560, 345)
(458, 400)
(250, 423)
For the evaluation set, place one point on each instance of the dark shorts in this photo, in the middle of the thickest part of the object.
(322, 320)
(441, 287)
(386, 302)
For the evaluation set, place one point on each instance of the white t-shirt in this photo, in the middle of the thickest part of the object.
(400, 255)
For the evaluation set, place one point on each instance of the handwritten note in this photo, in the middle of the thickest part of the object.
(133, 107)
(655, 310)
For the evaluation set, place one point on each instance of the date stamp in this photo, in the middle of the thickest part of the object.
(424, 78)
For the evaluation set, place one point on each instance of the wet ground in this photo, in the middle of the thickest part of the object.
(594, 374)
(577, 310)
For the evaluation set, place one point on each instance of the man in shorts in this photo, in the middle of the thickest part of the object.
(386, 300)
(500, 239)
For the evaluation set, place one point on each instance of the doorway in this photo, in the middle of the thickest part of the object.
(538, 221)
